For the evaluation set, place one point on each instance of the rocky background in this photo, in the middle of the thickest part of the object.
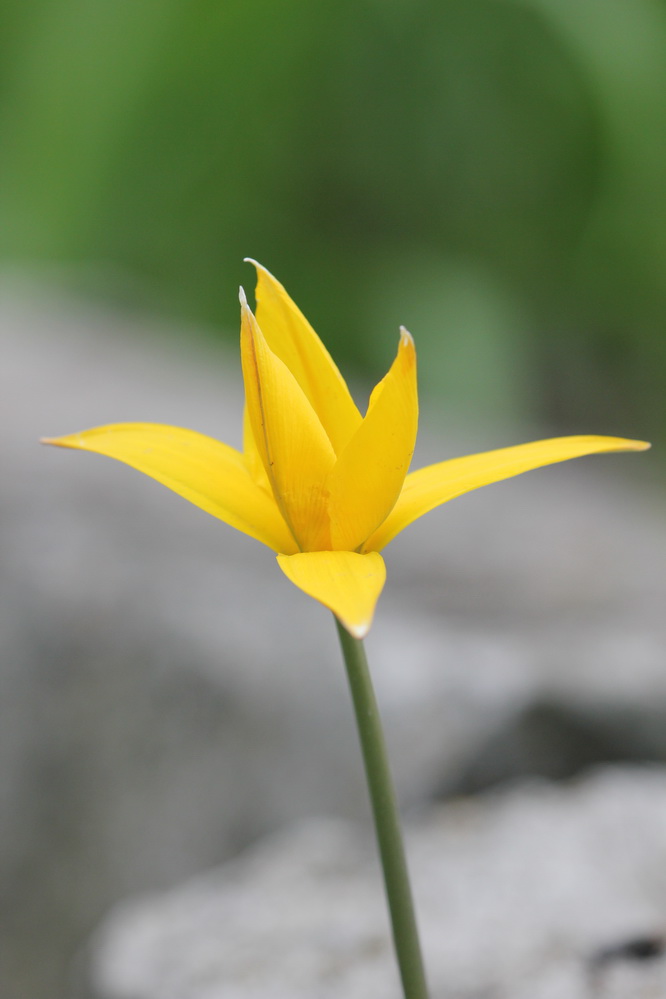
(167, 701)
(517, 900)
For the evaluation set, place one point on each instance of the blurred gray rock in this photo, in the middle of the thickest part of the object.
(166, 696)
(538, 893)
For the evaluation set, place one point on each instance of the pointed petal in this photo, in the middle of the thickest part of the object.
(370, 472)
(347, 583)
(295, 451)
(431, 486)
(290, 336)
(206, 472)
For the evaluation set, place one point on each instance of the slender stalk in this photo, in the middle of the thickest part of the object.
(387, 822)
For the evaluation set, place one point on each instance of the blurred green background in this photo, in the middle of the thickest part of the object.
(489, 173)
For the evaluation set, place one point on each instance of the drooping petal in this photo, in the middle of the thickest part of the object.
(206, 472)
(370, 472)
(429, 487)
(347, 583)
(294, 448)
(290, 336)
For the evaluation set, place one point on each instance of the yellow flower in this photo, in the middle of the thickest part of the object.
(323, 486)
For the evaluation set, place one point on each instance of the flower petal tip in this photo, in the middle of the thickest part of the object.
(258, 267)
(356, 630)
(627, 444)
(242, 298)
(406, 346)
(58, 441)
(348, 583)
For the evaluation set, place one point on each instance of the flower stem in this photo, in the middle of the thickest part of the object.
(387, 822)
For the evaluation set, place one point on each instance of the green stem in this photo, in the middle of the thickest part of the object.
(387, 822)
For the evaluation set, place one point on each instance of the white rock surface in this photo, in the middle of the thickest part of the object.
(166, 696)
(533, 893)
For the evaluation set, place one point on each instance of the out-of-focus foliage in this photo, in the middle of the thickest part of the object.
(490, 173)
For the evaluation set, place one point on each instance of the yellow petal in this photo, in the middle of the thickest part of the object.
(206, 472)
(290, 336)
(431, 486)
(295, 451)
(251, 454)
(370, 472)
(347, 583)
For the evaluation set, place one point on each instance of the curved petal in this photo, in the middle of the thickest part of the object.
(206, 472)
(290, 336)
(347, 583)
(370, 472)
(431, 486)
(295, 451)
